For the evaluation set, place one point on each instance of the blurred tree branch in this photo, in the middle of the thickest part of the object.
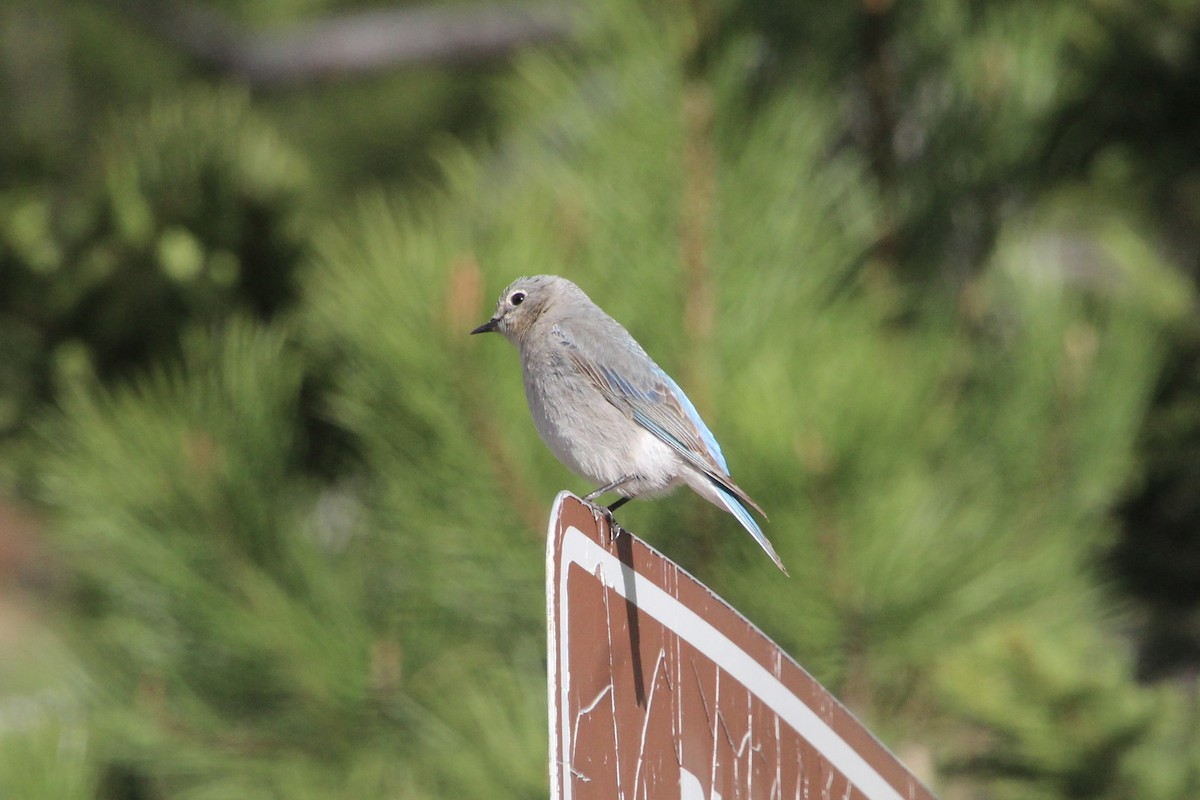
(881, 85)
(348, 44)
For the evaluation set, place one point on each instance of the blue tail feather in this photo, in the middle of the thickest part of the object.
(733, 506)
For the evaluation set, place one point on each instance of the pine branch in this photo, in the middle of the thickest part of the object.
(349, 44)
(880, 79)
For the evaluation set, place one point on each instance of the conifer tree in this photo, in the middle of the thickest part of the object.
(304, 555)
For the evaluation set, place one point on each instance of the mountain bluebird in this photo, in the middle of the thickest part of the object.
(605, 409)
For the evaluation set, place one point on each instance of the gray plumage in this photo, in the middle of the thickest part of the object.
(604, 408)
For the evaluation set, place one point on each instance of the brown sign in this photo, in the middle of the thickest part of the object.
(660, 689)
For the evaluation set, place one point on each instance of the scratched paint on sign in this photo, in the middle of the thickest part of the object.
(660, 689)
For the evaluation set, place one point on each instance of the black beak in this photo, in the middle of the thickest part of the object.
(487, 327)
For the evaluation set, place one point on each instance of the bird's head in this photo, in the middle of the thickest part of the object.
(523, 303)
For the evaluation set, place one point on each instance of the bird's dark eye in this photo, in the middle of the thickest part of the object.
(516, 298)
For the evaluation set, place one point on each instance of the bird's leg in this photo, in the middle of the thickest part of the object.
(613, 527)
(608, 487)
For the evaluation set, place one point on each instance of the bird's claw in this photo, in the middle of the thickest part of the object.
(614, 528)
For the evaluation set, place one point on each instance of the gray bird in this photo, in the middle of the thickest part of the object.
(604, 408)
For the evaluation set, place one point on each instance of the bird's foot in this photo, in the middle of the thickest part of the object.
(614, 527)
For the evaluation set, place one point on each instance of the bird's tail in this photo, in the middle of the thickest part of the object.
(733, 506)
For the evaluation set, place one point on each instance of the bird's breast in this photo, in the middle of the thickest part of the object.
(589, 435)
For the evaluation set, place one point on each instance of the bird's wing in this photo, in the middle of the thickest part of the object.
(655, 402)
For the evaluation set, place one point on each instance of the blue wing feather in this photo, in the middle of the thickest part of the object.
(710, 441)
(658, 404)
(661, 407)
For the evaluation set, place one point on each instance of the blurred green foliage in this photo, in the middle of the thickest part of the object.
(190, 210)
(299, 512)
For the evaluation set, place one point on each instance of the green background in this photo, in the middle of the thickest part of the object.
(273, 523)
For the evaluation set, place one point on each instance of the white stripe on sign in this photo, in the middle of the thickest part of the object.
(577, 548)
(690, 787)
